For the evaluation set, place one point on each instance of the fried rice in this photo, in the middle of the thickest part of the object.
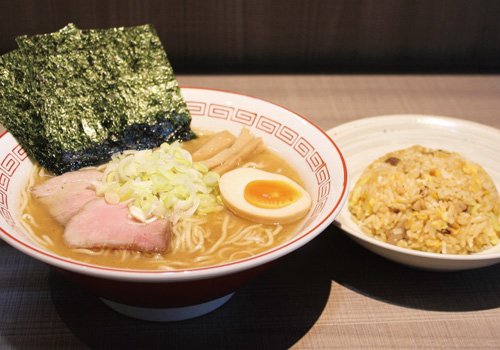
(429, 200)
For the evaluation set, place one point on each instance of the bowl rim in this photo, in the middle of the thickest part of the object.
(358, 234)
(201, 272)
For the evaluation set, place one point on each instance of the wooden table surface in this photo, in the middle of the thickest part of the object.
(330, 294)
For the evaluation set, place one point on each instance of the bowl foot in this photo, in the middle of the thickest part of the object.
(167, 314)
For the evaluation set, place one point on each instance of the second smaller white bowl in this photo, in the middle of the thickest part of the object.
(364, 140)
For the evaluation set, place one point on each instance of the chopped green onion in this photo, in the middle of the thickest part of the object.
(160, 183)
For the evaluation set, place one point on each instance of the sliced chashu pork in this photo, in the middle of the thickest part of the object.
(99, 224)
(90, 222)
(66, 194)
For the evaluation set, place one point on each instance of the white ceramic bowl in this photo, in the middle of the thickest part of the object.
(364, 140)
(175, 295)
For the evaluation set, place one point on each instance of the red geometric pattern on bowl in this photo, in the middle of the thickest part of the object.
(315, 161)
(322, 175)
(268, 125)
(197, 108)
(303, 147)
(220, 111)
(323, 190)
(287, 135)
(244, 117)
(8, 217)
(319, 207)
(19, 152)
(3, 200)
(283, 133)
(10, 163)
(4, 181)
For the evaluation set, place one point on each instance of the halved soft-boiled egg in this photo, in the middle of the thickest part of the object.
(263, 197)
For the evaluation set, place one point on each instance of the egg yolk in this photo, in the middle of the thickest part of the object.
(270, 194)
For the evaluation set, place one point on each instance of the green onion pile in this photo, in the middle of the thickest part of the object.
(160, 183)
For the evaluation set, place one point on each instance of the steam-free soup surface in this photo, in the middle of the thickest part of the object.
(241, 238)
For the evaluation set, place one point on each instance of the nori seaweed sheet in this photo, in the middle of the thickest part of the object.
(93, 93)
(16, 110)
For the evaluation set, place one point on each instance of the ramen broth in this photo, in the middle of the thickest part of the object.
(217, 249)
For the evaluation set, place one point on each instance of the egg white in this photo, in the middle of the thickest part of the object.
(232, 186)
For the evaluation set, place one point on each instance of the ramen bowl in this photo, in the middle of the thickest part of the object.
(158, 295)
